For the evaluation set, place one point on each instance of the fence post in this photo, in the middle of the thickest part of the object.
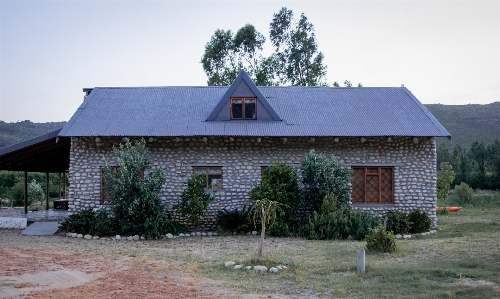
(361, 261)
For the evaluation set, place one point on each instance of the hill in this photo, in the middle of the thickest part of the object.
(11, 133)
(467, 123)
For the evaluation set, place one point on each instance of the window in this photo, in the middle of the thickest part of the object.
(213, 176)
(373, 185)
(243, 108)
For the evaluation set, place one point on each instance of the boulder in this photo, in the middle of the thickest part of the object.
(238, 266)
(248, 268)
(136, 238)
(79, 236)
(273, 270)
(169, 236)
(87, 237)
(228, 264)
(260, 268)
(117, 237)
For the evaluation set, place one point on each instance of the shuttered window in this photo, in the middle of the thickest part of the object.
(373, 185)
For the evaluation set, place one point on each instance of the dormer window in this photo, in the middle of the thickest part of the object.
(243, 108)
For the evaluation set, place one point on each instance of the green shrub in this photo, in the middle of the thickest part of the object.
(340, 224)
(234, 221)
(194, 199)
(329, 204)
(380, 240)
(101, 224)
(398, 222)
(279, 184)
(464, 193)
(80, 223)
(420, 222)
(322, 176)
(279, 229)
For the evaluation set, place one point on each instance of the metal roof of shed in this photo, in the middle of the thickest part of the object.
(305, 111)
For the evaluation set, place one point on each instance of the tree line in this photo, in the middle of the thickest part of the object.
(477, 166)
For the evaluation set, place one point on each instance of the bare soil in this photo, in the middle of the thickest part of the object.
(60, 267)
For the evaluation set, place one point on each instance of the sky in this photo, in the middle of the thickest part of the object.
(444, 52)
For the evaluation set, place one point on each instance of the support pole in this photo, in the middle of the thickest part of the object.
(64, 185)
(25, 192)
(59, 190)
(47, 191)
(361, 261)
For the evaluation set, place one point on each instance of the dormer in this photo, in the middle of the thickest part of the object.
(243, 101)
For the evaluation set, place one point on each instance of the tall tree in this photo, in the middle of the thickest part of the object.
(461, 163)
(295, 62)
(494, 161)
(478, 156)
(297, 55)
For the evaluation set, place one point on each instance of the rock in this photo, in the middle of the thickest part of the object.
(433, 231)
(193, 234)
(73, 235)
(249, 233)
(117, 237)
(87, 237)
(398, 236)
(284, 267)
(254, 232)
(79, 236)
(203, 234)
(216, 233)
(198, 234)
(406, 236)
(130, 238)
(228, 264)
(238, 266)
(96, 238)
(423, 234)
(143, 238)
(278, 267)
(181, 235)
(136, 238)
(260, 268)
(210, 234)
(273, 270)
(169, 236)
(187, 235)
(248, 268)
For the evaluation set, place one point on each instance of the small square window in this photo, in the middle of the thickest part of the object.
(243, 108)
(213, 176)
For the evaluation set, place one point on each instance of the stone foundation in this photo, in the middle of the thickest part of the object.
(241, 159)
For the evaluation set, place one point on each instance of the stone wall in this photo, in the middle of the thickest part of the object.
(414, 164)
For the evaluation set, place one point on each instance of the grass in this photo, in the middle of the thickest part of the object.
(460, 261)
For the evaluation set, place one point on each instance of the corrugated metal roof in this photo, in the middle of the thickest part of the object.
(305, 111)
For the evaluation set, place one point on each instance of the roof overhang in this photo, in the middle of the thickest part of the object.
(44, 153)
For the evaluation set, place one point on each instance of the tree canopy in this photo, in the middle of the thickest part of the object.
(296, 60)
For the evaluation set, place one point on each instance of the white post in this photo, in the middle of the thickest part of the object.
(361, 261)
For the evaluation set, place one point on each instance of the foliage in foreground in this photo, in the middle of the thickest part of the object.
(194, 199)
(340, 224)
(381, 241)
(420, 222)
(398, 222)
(234, 221)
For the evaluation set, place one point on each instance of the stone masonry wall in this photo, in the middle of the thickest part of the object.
(241, 159)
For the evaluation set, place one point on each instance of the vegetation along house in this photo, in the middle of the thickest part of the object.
(230, 133)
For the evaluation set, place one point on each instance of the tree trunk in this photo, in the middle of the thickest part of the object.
(262, 234)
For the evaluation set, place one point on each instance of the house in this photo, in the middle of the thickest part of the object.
(230, 133)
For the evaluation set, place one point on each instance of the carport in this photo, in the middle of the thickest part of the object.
(45, 153)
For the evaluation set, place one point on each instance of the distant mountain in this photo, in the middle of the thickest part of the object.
(11, 133)
(467, 123)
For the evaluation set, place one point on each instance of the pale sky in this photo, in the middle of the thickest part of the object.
(445, 52)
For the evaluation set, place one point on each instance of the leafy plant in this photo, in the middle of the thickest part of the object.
(445, 177)
(279, 184)
(340, 224)
(234, 221)
(194, 199)
(266, 211)
(381, 241)
(101, 224)
(322, 176)
(279, 229)
(420, 222)
(398, 222)
(80, 223)
(136, 203)
(464, 193)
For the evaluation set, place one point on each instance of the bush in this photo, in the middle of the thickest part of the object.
(279, 184)
(341, 224)
(234, 221)
(329, 204)
(420, 222)
(135, 199)
(194, 199)
(101, 224)
(464, 193)
(279, 229)
(322, 176)
(380, 240)
(80, 223)
(398, 222)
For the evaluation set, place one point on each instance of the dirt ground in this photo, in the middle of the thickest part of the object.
(59, 267)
